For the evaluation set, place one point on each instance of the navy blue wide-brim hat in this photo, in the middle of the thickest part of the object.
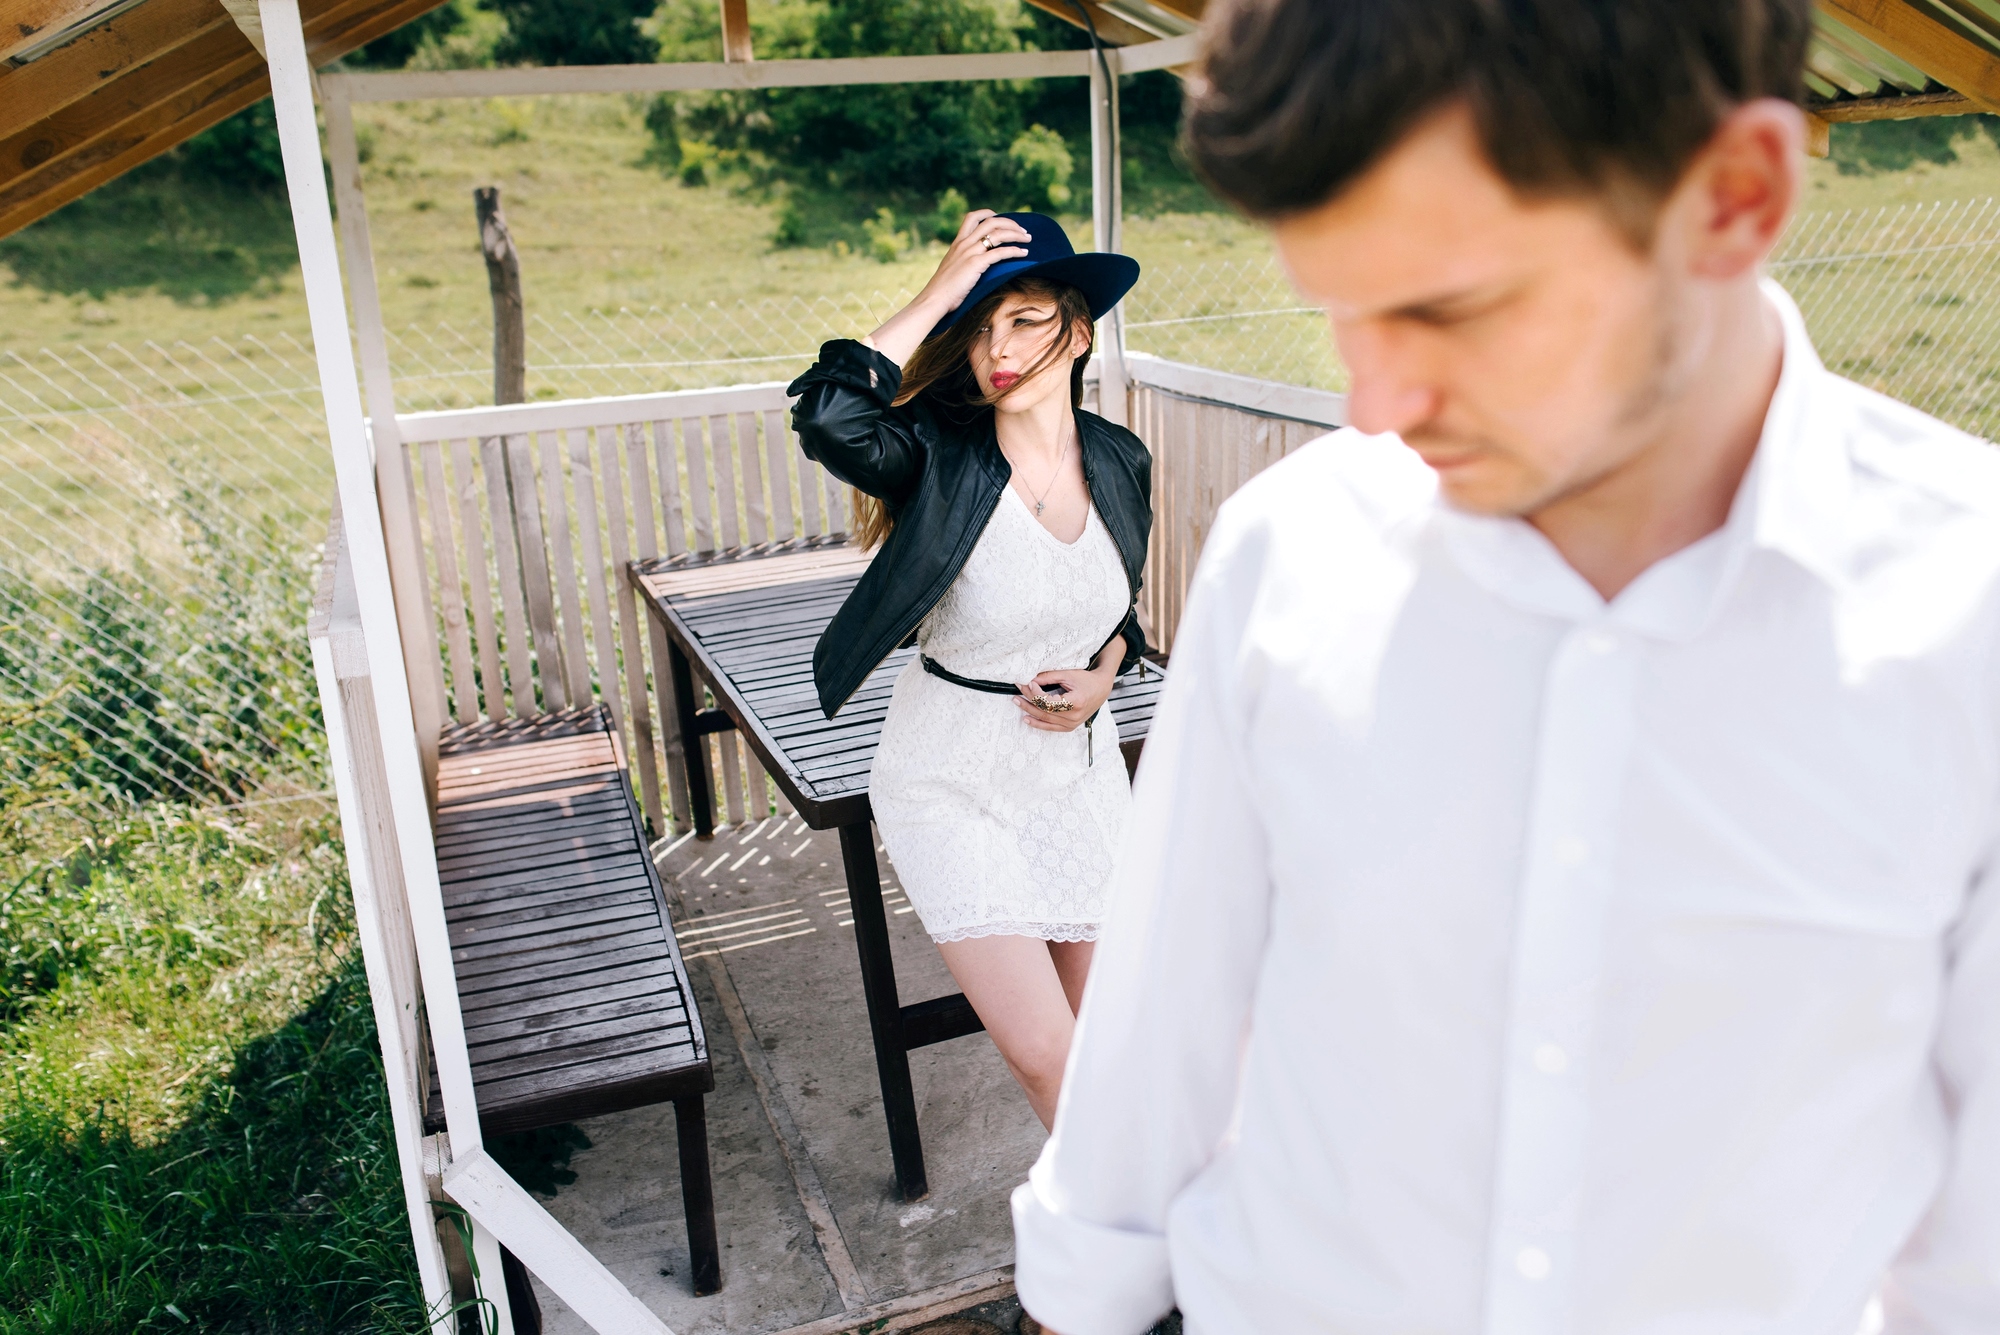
(1102, 278)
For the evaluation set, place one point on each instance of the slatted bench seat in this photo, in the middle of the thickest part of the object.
(575, 998)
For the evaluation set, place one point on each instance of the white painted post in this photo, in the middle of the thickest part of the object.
(406, 557)
(1107, 211)
(352, 746)
(354, 474)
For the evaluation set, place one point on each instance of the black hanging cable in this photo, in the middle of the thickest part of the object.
(1111, 148)
(1090, 26)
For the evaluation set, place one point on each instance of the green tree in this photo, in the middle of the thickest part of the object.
(393, 49)
(575, 32)
(845, 153)
(241, 151)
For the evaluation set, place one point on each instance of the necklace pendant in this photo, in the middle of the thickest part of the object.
(1038, 507)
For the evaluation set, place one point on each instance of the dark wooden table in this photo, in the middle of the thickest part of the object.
(746, 626)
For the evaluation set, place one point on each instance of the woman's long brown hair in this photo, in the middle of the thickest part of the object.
(942, 367)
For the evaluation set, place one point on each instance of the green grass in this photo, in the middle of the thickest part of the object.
(193, 1126)
(195, 1131)
(598, 228)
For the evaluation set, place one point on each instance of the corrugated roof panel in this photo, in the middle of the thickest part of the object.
(1836, 45)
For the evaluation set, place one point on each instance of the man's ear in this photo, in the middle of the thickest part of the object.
(1734, 200)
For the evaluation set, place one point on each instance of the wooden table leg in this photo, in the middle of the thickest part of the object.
(698, 1194)
(885, 1010)
(694, 743)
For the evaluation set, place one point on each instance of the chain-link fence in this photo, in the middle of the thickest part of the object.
(160, 504)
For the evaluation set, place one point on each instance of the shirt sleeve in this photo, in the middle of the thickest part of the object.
(1151, 1087)
(1947, 1282)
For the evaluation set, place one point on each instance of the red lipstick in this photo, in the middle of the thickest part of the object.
(1005, 380)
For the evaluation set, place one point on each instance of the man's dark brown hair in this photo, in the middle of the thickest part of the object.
(1615, 97)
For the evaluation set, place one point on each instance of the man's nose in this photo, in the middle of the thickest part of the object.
(1387, 388)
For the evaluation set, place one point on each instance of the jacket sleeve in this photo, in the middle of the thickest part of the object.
(845, 421)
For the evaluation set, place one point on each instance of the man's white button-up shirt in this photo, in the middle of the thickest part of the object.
(1486, 957)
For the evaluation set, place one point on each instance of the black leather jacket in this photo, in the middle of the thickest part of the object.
(941, 477)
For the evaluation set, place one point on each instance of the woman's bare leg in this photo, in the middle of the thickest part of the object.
(1072, 966)
(1014, 985)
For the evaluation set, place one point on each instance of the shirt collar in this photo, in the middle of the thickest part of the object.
(1790, 502)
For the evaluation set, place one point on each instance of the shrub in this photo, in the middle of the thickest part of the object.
(574, 32)
(1041, 168)
(891, 142)
(241, 151)
(1864, 148)
(116, 686)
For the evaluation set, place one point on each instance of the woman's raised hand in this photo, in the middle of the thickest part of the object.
(984, 239)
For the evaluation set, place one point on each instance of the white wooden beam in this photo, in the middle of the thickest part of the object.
(247, 19)
(326, 308)
(564, 1264)
(515, 419)
(1268, 398)
(1168, 53)
(1107, 212)
(392, 487)
(339, 656)
(688, 76)
(412, 85)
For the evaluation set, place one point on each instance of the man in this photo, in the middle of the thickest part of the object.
(1560, 895)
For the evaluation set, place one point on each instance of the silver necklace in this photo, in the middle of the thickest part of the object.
(1061, 459)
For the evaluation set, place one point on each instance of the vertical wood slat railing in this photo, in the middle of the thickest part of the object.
(1209, 432)
(527, 514)
(525, 531)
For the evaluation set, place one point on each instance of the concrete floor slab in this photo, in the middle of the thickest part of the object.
(807, 1213)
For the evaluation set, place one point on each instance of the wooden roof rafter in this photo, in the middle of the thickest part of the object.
(143, 80)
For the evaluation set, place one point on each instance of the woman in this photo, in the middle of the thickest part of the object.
(1013, 529)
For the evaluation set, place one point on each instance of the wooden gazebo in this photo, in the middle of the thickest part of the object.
(92, 88)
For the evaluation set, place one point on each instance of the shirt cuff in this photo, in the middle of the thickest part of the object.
(1085, 1279)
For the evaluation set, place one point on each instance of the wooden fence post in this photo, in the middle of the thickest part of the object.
(503, 277)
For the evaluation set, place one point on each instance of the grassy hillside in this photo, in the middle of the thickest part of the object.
(598, 227)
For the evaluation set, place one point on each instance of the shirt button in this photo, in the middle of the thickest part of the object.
(1571, 851)
(1550, 1059)
(1532, 1262)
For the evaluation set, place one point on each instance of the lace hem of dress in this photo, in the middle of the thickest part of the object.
(1045, 931)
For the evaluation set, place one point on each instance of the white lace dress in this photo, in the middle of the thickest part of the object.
(996, 827)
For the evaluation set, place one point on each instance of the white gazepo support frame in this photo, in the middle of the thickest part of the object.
(382, 718)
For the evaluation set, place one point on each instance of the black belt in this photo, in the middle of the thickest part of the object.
(939, 670)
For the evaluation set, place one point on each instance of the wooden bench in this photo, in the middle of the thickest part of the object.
(575, 998)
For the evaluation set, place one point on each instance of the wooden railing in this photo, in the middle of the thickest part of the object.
(510, 528)
(1210, 432)
(522, 518)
